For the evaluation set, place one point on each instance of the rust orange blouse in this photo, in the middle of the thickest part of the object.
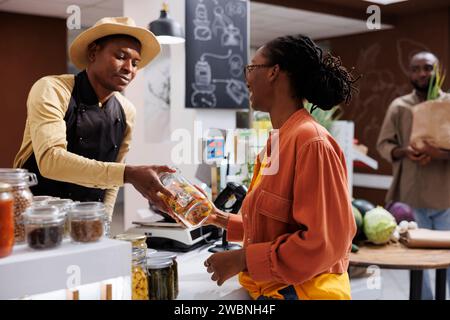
(296, 222)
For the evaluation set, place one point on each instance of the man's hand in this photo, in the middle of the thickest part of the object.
(432, 152)
(224, 265)
(145, 179)
(410, 152)
(414, 154)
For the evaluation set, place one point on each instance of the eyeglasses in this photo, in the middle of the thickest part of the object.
(250, 67)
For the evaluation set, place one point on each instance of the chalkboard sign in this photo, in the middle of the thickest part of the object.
(216, 53)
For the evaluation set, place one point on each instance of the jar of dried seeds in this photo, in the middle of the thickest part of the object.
(20, 180)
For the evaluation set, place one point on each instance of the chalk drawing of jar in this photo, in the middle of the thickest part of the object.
(202, 31)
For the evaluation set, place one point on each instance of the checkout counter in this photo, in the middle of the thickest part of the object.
(196, 284)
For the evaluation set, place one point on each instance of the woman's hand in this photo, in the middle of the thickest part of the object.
(217, 217)
(224, 265)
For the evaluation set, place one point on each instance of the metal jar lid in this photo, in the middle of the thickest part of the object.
(163, 255)
(137, 240)
(131, 237)
(158, 264)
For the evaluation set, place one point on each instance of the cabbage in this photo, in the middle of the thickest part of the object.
(379, 225)
(400, 211)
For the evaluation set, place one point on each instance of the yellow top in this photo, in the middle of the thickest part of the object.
(45, 135)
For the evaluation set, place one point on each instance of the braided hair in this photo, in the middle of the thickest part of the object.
(323, 81)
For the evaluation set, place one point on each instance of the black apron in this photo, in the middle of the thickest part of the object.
(92, 132)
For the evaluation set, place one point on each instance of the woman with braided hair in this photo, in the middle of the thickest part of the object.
(296, 222)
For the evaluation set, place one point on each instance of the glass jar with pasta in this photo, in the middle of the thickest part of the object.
(190, 205)
(139, 275)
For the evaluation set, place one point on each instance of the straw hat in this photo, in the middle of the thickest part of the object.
(108, 26)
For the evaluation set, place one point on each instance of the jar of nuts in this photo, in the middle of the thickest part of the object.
(21, 180)
(139, 281)
(86, 221)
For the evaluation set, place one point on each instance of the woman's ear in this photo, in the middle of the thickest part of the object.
(274, 72)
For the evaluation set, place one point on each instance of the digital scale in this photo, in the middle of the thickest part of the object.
(170, 236)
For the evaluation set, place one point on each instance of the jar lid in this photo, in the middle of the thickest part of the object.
(166, 178)
(43, 214)
(62, 204)
(151, 252)
(12, 171)
(158, 264)
(163, 255)
(5, 187)
(131, 237)
(18, 177)
(42, 198)
(87, 210)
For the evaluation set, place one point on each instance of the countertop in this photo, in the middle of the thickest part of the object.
(196, 284)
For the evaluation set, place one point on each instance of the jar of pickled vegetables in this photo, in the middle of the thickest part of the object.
(160, 280)
(171, 256)
(6, 220)
(139, 275)
(190, 205)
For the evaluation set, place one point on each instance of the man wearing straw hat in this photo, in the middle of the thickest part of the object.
(78, 128)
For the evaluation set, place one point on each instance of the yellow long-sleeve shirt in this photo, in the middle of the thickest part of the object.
(45, 136)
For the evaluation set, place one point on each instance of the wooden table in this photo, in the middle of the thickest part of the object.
(398, 256)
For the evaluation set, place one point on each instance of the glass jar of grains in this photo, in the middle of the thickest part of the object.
(21, 180)
(86, 221)
(44, 226)
(6, 220)
(139, 276)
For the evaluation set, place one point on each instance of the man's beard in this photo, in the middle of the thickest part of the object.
(423, 89)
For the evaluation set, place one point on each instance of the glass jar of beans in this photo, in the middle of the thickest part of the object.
(44, 226)
(20, 180)
(86, 221)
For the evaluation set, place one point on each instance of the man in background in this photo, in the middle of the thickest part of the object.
(421, 177)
